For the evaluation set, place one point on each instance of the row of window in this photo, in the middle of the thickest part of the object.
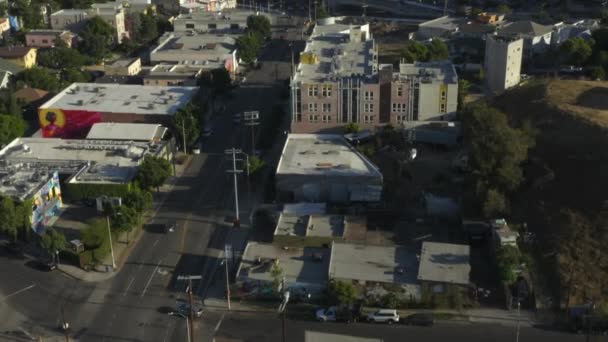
(325, 90)
(312, 107)
(325, 118)
(399, 107)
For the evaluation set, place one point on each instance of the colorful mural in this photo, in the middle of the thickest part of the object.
(46, 203)
(58, 123)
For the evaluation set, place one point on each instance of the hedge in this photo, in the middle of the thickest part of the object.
(79, 191)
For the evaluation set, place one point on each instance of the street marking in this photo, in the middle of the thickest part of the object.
(128, 286)
(155, 242)
(217, 326)
(150, 279)
(19, 291)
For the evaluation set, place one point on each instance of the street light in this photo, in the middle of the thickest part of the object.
(57, 258)
(111, 247)
(187, 321)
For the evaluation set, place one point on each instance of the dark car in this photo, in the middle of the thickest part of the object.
(419, 319)
(169, 227)
(41, 265)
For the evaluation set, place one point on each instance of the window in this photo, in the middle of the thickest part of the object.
(211, 26)
(401, 118)
(190, 26)
(399, 90)
(368, 118)
(312, 107)
(368, 95)
(313, 118)
(326, 91)
(313, 91)
(443, 107)
(234, 26)
(394, 107)
(399, 107)
(327, 107)
(368, 107)
(326, 118)
(443, 94)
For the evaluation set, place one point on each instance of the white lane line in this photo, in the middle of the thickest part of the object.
(217, 326)
(150, 279)
(129, 286)
(155, 242)
(19, 291)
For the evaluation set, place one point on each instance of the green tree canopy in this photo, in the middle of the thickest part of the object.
(415, 51)
(71, 75)
(153, 172)
(95, 238)
(61, 58)
(503, 9)
(438, 50)
(508, 258)
(575, 51)
(124, 219)
(148, 29)
(255, 165)
(495, 204)
(352, 127)
(320, 11)
(29, 12)
(52, 241)
(140, 200)
(341, 292)
(463, 91)
(97, 38)
(248, 46)
(41, 78)
(8, 218)
(260, 24)
(186, 121)
(11, 127)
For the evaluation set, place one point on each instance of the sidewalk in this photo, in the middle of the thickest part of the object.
(122, 251)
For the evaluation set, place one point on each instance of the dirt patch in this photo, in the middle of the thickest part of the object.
(580, 98)
(596, 98)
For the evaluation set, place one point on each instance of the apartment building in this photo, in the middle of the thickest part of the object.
(503, 62)
(75, 19)
(338, 81)
(229, 21)
(48, 38)
(537, 37)
(124, 67)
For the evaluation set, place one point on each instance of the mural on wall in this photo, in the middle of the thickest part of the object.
(58, 123)
(46, 203)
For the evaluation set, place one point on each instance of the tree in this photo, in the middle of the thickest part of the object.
(53, 242)
(71, 75)
(340, 292)
(153, 172)
(95, 238)
(320, 11)
(495, 204)
(255, 165)
(186, 122)
(463, 91)
(61, 58)
(124, 219)
(503, 9)
(248, 46)
(604, 17)
(220, 80)
(438, 50)
(508, 258)
(140, 200)
(39, 78)
(8, 218)
(11, 127)
(597, 73)
(260, 24)
(415, 51)
(97, 38)
(12, 105)
(29, 12)
(575, 51)
(276, 272)
(352, 127)
(148, 26)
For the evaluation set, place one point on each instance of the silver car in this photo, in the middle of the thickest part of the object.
(389, 316)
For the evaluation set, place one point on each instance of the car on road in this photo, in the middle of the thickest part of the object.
(183, 308)
(42, 265)
(336, 314)
(169, 227)
(388, 316)
(421, 319)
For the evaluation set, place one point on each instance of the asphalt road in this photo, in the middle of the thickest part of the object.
(267, 328)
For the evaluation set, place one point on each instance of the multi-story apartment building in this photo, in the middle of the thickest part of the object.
(338, 81)
(503, 62)
(75, 19)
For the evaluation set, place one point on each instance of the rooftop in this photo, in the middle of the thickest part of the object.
(525, 27)
(48, 32)
(385, 264)
(70, 11)
(317, 336)
(22, 183)
(208, 50)
(9, 66)
(323, 155)
(89, 161)
(444, 263)
(122, 98)
(125, 62)
(14, 51)
(301, 265)
(232, 15)
(126, 131)
(29, 95)
(173, 70)
(311, 225)
(430, 72)
(304, 208)
(445, 22)
(337, 50)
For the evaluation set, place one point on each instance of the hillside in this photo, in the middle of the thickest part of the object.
(565, 193)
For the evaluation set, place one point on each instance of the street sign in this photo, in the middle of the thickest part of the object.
(251, 116)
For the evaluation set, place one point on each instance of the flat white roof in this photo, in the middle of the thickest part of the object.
(126, 131)
(122, 98)
(323, 154)
(444, 263)
(22, 183)
(208, 50)
(311, 225)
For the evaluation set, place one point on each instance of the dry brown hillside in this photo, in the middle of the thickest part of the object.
(566, 187)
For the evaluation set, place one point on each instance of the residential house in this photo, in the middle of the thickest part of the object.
(23, 56)
(124, 67)
(537, 37)
(75, 19)
(489, 18)
(69, 19)
(444, 268)
(503, 59)
(5, 25)
(580, 29)
(48, 38)
(443, 27)
(31, 96)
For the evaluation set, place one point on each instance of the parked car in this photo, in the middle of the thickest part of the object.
(336, 314)
(183, 308)
(419, 319)
(169, 227)
(388, 316)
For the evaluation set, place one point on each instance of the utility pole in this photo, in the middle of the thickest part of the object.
(184, 134)
(445, 7)
(251, 119)
(227, 253)
(232, 154)
(190, 303)
(65, 325)
(110, 237)
(518, 313)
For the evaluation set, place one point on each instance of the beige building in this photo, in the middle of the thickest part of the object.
(75, 19)
(20, 55)
(339, 81)
(124, 67)
(5, 25)
(173, 74)
(503, 62)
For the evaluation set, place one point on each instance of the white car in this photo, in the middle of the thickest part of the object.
(326, 315)
(384, 316)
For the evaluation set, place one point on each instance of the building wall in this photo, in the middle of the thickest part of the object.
(117, 21)
(166, 81)
(129, 70)
(183, 24)
(5, 25)
(72, 22)
(46, 204)
(503, 63)
(27, 61)
(46, 40)
(401, 109)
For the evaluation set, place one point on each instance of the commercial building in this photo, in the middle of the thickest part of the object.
(503, 60)
(442, 27)
(124, 67)
(75, 109)
(537, 37)
(230, 21)
(23, 56)
(339, 81)
(303, 268)
(208, 51)
(173, 74)
(372, 265)
(197, 6)
(75, 19)
(325, 168)
(48, 38)
(444, 266)
(127, 131)
(42, 188)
